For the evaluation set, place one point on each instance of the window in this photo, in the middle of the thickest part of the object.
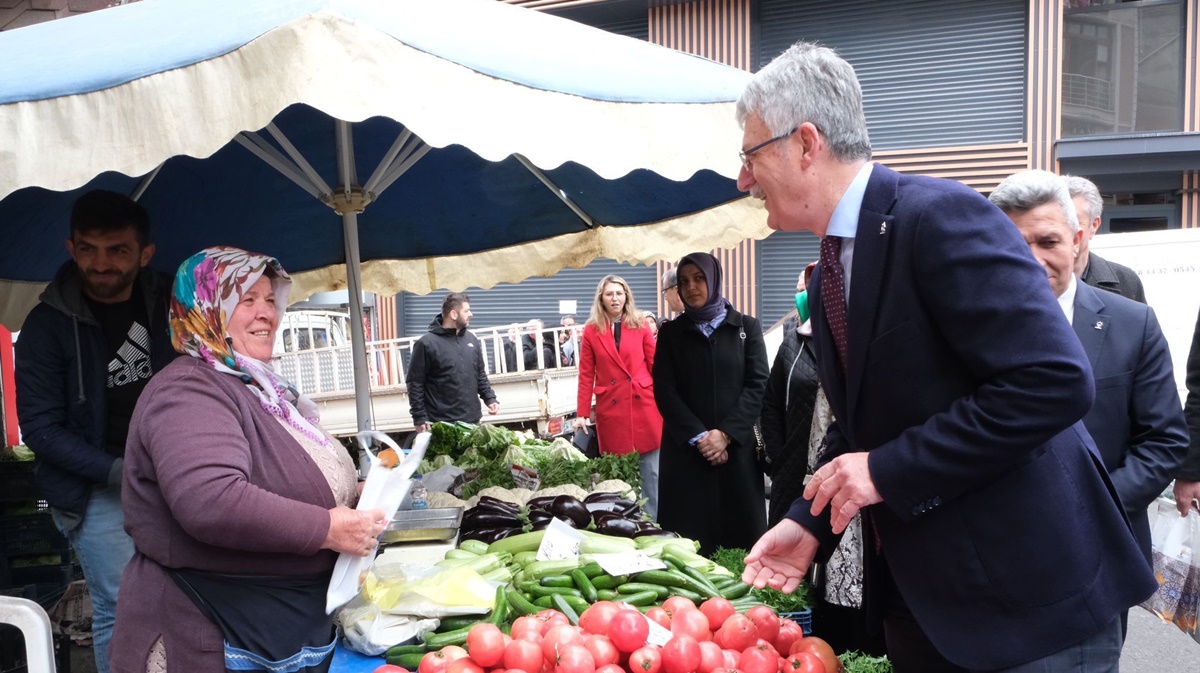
(1122, 67)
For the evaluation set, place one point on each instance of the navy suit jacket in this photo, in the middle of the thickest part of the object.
(966, 386)
(1137, 420)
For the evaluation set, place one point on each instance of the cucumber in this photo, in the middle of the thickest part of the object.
(661, 578)
(735, 591)
(638, 587)
(592, 569)
(436, 641)
(639, 599)
(408, 661)
(688, 594)
(539, 590)
(518, 603)
(499, 613)
(560, 603)
(405, 649)
(579, 578)
(608, 581)
(455, 623)
(606, 594)
(558, 580)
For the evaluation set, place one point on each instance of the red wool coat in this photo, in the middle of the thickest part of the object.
(627, 417)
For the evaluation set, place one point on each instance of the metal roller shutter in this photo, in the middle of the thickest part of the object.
(781, 258)
(933, 72)
(509, 303)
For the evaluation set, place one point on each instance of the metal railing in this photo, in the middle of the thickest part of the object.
(330, 370)
(1089, 92)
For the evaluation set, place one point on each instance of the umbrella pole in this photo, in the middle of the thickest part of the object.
(358, 341)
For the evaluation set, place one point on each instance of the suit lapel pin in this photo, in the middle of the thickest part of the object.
(882, 228)
(1099, 325)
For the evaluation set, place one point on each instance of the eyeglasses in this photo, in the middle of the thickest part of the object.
(667, 289)
(744, 155)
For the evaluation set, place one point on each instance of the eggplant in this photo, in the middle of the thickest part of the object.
(538, 516)
(568, 507)
(569, 522)
(601, 516)
(489, 535)
(541, 525)
(541, 502)
(631, 512)
(655, 532)
(594, 507)
(601, 497)
(647, 525)
(623, 502)
(497, 502)
(486, 519)
(618, 527)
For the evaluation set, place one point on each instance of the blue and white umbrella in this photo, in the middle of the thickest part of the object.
(441, 143)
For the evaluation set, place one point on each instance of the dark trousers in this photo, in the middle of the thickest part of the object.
(910, 651)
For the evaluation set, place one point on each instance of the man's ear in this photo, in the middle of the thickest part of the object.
(1077, 240)
(147, 253)
(71, 248)
(810, 141)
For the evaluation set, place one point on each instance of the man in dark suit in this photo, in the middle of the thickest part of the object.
(1136, 421)
(1187, 480)
(995, 540)
(1091, 268)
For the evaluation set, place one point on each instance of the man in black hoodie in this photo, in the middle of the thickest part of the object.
(84, 355)
(447, 371)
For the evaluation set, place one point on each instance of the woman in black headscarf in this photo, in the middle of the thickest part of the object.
(709, 377)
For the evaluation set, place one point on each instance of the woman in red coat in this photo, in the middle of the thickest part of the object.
(615, 359)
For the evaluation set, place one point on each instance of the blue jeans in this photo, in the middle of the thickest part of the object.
(103, 549)
(648, 464)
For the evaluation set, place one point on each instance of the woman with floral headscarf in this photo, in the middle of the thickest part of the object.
(710, 373)
(237, 501)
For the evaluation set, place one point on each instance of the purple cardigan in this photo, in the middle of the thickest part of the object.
(212, 482)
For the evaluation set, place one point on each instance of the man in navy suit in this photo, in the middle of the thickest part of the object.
(995, 540)
(1137, 421)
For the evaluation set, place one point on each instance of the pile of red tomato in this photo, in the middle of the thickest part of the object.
(612, 638)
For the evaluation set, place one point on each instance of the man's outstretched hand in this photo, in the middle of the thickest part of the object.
(781, 557)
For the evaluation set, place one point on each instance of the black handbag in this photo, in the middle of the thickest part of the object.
(760, 450)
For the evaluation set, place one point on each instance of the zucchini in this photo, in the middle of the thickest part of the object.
(409, 661)
(477, 547)
(539, 569)
(461, 553)
(518, 543)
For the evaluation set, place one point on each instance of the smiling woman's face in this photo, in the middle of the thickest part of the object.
(693, 286)
(253, 323)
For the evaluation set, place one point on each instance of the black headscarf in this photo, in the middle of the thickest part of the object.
(712, 273)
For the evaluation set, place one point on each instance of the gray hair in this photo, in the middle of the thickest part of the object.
(670, 278)
(1022, 192)
(1091, 195)
(810, 83)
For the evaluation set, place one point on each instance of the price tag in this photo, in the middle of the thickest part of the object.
(525, 477)
(627, 563)
(560, 542)
(658, 635)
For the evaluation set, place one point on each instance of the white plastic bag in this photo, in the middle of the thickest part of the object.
(370, 631)
(1175, 546)
(385, 490)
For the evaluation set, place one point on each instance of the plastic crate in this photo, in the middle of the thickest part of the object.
(31, 535)
(803, 618)
(17, 483)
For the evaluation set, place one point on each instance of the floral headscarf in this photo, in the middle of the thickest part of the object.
(208, 287)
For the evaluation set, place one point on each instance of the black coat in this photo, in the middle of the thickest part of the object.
(787, 416)
(703, 384)
(1190, 470)
(446, 377)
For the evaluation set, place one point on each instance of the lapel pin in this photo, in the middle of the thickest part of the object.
(882, 228)
(1099, 324)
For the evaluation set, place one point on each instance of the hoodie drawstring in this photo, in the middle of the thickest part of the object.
(78, 359)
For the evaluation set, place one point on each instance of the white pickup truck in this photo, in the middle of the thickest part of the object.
(312, 350)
